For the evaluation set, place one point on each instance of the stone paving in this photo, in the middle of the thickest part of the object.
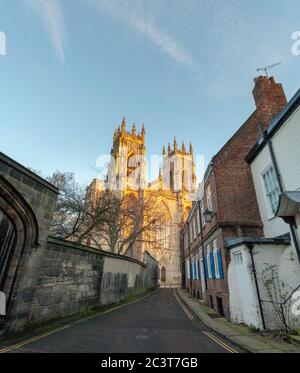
(237, 334)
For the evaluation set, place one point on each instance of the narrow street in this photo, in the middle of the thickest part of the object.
(157, 323)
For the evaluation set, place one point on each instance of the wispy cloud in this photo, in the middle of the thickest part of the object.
(134, 15)
(51, 15)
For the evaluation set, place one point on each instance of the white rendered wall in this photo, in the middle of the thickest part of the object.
(286, 146)
(244, 306)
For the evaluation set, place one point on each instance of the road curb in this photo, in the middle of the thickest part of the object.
(225, 337)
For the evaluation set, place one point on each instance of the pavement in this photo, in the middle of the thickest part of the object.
(238, 335)
(157, 323)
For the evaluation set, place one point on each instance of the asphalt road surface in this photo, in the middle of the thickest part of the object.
(157, 323)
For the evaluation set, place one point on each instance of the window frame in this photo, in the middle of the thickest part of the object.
(215, 250)
(238, 258)
(270, 187)
(209, 202)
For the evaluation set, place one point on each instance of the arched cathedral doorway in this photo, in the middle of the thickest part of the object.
(163, 274)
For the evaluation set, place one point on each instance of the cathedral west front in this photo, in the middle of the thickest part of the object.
(173, 192)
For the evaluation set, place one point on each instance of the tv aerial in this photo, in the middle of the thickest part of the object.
(267, 68)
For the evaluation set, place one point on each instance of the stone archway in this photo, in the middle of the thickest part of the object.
(19, 233)
(7, 244)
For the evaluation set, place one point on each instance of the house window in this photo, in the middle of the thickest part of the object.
(271, 189)
(195, 275)
(191, 233)
(210, 263)
(194, 226)
(198, 221)
(209, 199)
(185, 240)
(202, 213)
(196, 268)
(187, 269)
(217, 260)
(238, 258)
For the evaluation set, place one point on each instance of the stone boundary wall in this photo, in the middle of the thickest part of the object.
(47, 277)
(74, 278)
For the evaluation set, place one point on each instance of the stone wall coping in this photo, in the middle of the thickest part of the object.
(76, 246)
(17, 166)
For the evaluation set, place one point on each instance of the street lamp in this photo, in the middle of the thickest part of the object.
(208, 215)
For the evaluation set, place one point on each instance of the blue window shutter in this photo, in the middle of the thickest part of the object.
(220, 264)
(212, 265)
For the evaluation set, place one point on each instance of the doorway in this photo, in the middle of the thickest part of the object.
(163, 274)
(220, 307)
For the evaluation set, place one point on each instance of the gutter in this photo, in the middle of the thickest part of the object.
(190, 257)
(202, 244)
(250, 247)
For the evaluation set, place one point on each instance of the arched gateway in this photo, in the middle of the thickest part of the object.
(18, 233)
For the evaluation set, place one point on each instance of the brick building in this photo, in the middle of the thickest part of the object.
(227, 206)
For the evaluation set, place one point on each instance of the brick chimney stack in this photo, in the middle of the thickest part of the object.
(269, 98)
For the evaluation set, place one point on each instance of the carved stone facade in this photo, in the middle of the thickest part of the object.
(173, 189)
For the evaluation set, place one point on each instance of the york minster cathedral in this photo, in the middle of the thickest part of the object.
(172, 190)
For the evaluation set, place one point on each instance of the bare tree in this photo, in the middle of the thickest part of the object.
(131, 221)
(102, 218)
(77, 215)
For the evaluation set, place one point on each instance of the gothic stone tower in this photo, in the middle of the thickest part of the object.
(127, 169)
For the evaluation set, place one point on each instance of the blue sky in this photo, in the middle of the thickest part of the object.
(73, 68)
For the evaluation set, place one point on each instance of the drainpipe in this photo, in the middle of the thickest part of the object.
(291, 224)
(250, 247)
(202, 244)
(182, 261)
(190, 257)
